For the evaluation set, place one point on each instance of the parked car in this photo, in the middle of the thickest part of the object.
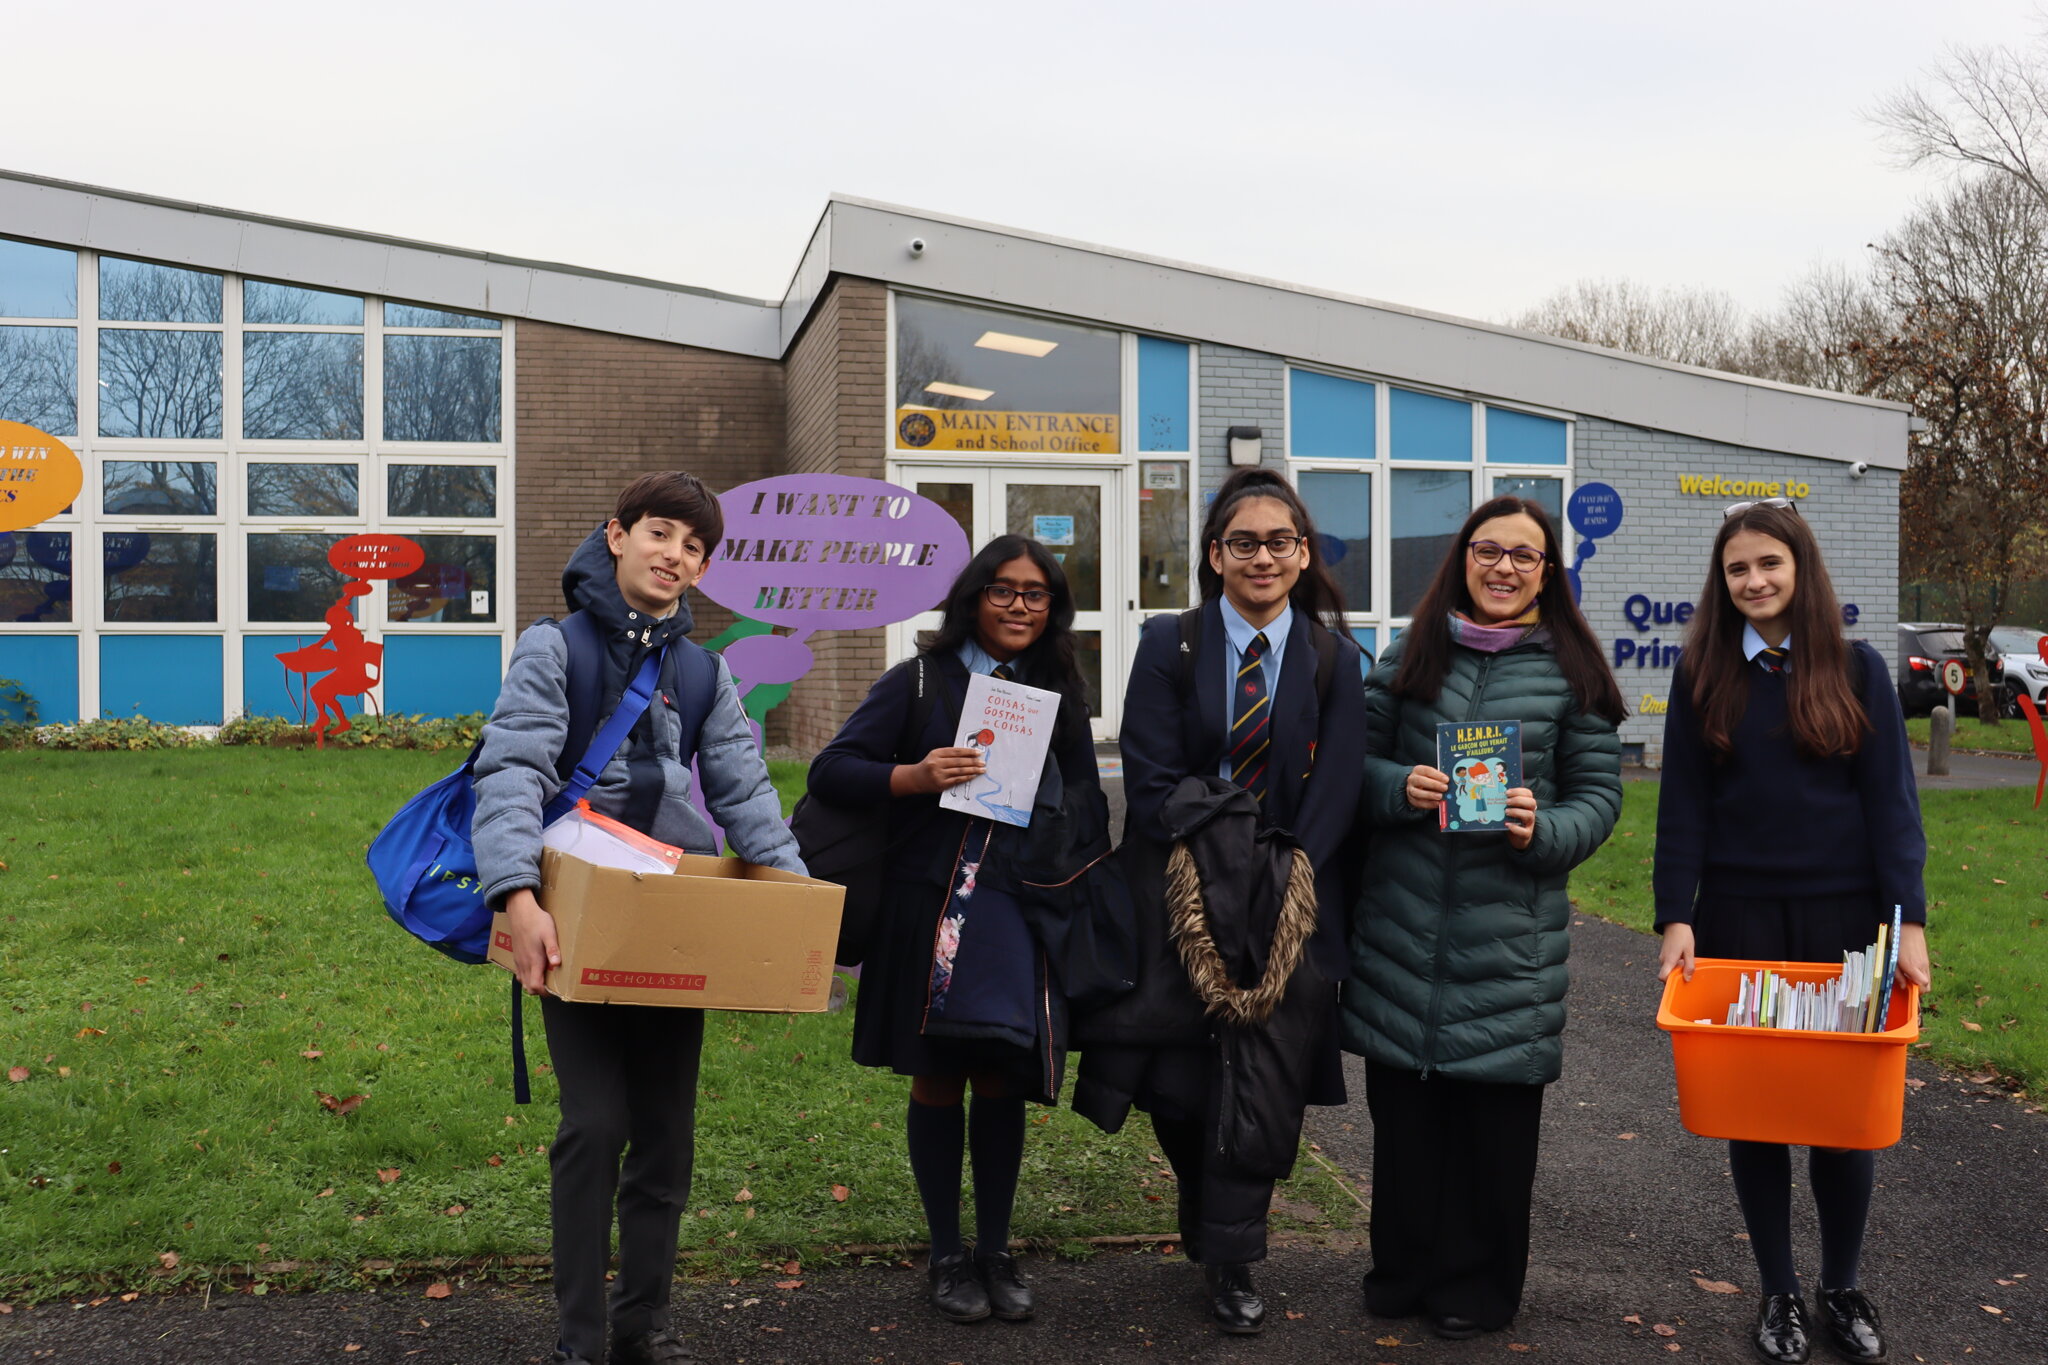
(2025, 670)
(1923, 648)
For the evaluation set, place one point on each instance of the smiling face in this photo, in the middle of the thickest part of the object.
(1500, 593)
(1007, 631)
(1761, 574)
(655, 562)
(1259, 586)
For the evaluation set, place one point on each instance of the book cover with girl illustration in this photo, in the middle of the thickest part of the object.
(1010, 726)
(1484, 761)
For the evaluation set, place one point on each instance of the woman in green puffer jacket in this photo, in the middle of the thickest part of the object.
(1456, 994)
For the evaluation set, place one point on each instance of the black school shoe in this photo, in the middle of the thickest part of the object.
(1781, 1329)
(956, 1294)
(1852, 1325)
(1009, 1298)
(1233, 1302)
(657, 1347)
(1455, 1328)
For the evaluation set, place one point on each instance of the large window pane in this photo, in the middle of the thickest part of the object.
(263, 302)
(1162, 395)
(970, 379)
(1163, 561)
(1330, 418)
(160, 576)
(1067, 520)
(302, 386)
(1422, 426)
(457, 583)
(414, 315)
(441, 490)
(1342, 506)
(1524, 438)
(160, 384)
(441, 388)
(37, 281)
(957, 499)
(159, 487)
(290, 578)
(1549, 492)
(136, 291)
(295, 489)
(35, 576)
(1429, 507)
(39, 378)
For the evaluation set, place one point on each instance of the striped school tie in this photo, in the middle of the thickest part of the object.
(1003, 671)
(1772, 657)
(1250, 736)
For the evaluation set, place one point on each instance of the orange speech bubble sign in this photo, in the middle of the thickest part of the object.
(39, 476)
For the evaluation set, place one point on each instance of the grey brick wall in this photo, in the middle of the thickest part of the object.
(1239, 389)
(1660, 550)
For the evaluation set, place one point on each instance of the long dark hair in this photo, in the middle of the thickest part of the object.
(1315, 593)
(1050, 661)
(1827, 719)
(1426, 644)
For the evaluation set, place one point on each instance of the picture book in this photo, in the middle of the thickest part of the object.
(1484, 762)
(1011, 726)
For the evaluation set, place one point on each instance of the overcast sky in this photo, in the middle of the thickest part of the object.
(1464, 158)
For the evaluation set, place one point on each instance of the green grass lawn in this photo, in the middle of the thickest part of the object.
(1987, 887)
(191, 952)
(2006, 737)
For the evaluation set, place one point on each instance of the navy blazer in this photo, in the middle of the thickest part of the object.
(1314, 776)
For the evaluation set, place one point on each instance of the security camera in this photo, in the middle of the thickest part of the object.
(1859, 469)
(917, 246)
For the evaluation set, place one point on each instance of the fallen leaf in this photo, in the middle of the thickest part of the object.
(1715, 1286)
(1974, 1028)
(791, 1267)
(351, 1347)
(130, 1297)
(168, 1260)
(1673, 1346)
(312, 1053)
(1520, 1346)
(6, 1308)
(456, 1210)
(91, 1033)
(2007, 1283)
(743, 1196)
(1998, 881)
(113, 1168)
(17, 1074)
(1664, 1329)
(1293, 1316)
(839, 1193)
(439, 1290)
(343, 1107)
(1989, 1309)
(495, 1161)
(789, 1284)
(1636, 1318)
(1914, 1082)
(387, 1174)
(1624, 1137)
(1388, 1341)
(325, 1193)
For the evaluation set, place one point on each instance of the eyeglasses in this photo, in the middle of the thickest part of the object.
(1522, 557)
(1732, 508)
(1002, 594)
(1244, 547)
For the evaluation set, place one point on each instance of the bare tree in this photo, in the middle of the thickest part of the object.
(1987, 110)
(1691, 326)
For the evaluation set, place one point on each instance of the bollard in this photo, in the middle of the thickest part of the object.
(1941, 727)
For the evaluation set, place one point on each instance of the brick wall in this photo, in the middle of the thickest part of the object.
(1658, 555)
(837, 422)
(597, 410)
(1239, 389)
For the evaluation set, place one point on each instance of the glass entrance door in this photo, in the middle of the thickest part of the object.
(1074, 513)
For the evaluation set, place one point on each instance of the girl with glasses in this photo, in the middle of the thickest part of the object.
(1252, 701)
(1456, 992)
(955, 991)
(1788, 826)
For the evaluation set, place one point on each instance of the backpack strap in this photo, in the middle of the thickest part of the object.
(696, 684)
(585, 686)
(623, 718)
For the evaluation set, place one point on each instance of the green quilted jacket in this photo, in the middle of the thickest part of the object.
(1458, 944)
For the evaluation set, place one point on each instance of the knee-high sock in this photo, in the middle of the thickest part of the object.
(1763, 1187)
(1842, 1182)
(936, 1134)
(995, 1140)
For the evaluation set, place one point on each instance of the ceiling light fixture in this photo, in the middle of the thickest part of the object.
(1016, 345)
(959, 391)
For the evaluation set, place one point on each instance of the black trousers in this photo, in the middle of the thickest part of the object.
(1222, 1211)
(628, 1076)
(1453, 1164)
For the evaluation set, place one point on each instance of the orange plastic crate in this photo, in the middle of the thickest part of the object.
(1793, 1086)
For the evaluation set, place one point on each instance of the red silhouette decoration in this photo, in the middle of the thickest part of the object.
(350, 664)
(2033, 715)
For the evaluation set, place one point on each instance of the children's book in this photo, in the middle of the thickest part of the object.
(1484, 761)
(1882, 1014)
(1011, 726)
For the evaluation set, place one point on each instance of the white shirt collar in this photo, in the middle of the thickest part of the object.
(1753, 643)
(1241, 631)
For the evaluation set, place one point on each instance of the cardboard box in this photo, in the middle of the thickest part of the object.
(717, 934)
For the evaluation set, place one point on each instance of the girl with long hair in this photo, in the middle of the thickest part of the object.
(1253, 698)
(1457, 985)
(1788, 827)
(955, 992)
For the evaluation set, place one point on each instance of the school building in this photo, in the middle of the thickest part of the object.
(244, 391)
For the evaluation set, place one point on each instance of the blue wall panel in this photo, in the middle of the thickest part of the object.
(1162, 395)
(1426, 427)
(266, 691)
(440, 675)
(174, 679)
(1523, 438)
(1329, 417)
(46, 666)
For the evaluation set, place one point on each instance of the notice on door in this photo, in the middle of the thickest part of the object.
(1053, 530)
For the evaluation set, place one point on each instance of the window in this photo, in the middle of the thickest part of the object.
(159, 576)
(458, 582)
(441, 491)
(1341, 503)
(303, 489)
(290, 578)
(968, 379)
(39, 377)
(158, 488)
(35, 577)
(1429, 507)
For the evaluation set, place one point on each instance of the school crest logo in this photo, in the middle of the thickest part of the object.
(916, 429)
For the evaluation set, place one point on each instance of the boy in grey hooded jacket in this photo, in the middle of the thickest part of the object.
(627, 1073)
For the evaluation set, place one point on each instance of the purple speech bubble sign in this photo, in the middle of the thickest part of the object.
(832, 552)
